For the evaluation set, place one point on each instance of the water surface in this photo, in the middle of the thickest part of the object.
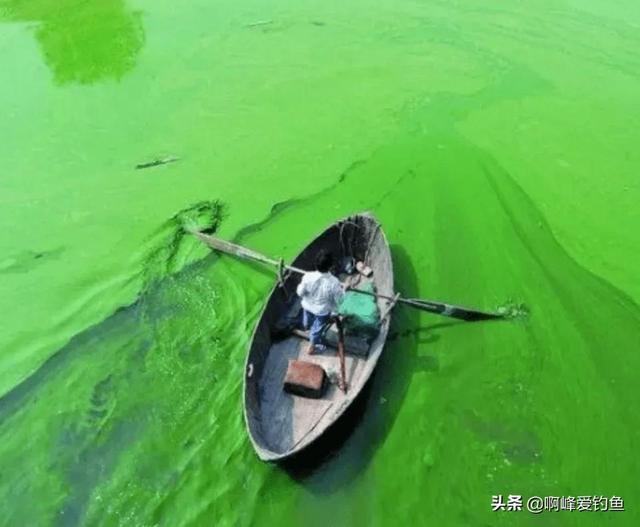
(497, 145)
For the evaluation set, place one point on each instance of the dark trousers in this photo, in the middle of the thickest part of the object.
(315, 324)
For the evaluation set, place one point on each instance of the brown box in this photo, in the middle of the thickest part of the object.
(305, 379)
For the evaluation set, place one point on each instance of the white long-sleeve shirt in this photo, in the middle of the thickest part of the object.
(321, 293)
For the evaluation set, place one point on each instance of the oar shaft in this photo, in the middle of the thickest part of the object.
(430, 306)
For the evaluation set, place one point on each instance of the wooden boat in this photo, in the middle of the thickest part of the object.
(282, 425)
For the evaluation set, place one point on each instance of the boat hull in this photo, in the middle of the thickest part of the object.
(282, 426)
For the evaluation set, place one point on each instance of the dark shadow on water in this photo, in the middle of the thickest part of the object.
(82, 42)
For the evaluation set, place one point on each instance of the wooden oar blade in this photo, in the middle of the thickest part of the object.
(473, 316)
(233, 249)
(447, 310)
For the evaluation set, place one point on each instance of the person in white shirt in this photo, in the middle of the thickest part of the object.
(321, 294)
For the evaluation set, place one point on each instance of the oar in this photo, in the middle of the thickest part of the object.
(430, 306)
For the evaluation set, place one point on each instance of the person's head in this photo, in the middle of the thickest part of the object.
(324, 261)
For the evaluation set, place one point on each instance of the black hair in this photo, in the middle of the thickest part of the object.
(324, 261)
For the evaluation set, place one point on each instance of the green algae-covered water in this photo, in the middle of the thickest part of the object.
(497, 143)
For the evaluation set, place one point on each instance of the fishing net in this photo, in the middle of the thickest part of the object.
(361, 313)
